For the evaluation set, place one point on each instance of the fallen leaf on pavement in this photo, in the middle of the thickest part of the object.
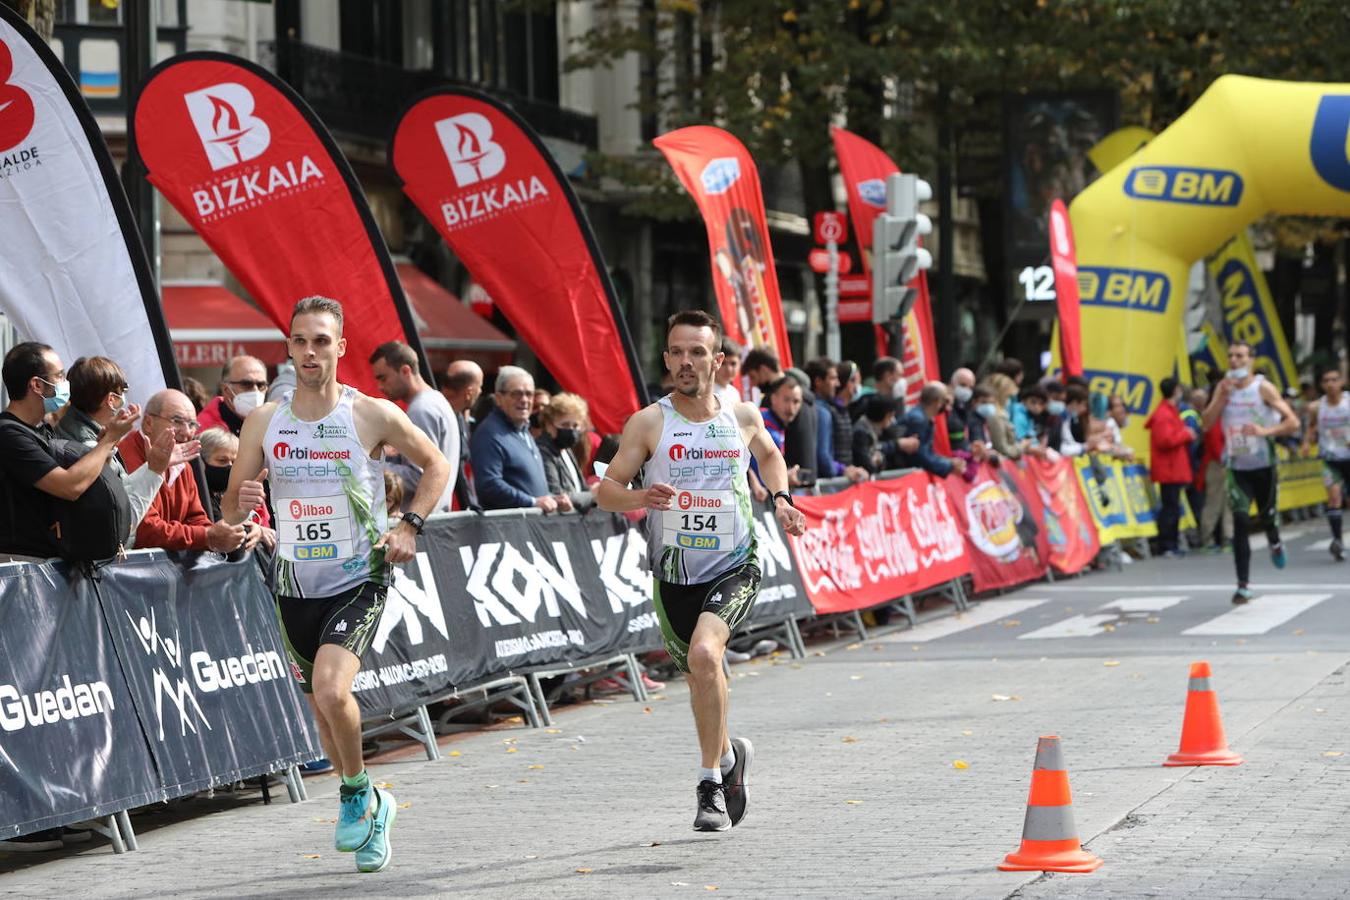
(796, 665)
(509, 741)
(384, 784)
(1333, 753)
(850, 739)
(1153, 620)
(1319, 709)
(1107, 626)
(646, 709)
(914, 646)
(1110, 662)
(853, 802)
(710, 887)
(1298, 631)
(855, 678)
(1002, 697)
(853, 646)
(552, 731)
(653, 843)
(522, 781)
(584, 871)
(960, 764)
(510, 749)
(455, 753)
(819, 653)
(312, 856)
(535, 766)
(967, 732)
(1011, 623)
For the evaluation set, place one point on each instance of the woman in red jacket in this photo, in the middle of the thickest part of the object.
(1169, 457)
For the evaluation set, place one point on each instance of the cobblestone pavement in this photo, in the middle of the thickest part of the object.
(856, 791)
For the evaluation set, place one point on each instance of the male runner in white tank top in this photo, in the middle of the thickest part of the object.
(322, 449)
(1246, 402)
(695, 453)
(1329, 426)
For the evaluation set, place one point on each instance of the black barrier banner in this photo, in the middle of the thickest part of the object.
(781, 593)
(202, 654)
(71, 747)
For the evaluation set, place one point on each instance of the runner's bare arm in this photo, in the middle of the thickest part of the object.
(1312, 430)
(391, 425)
(636, 445)
(1216, 404)
(245, 492)
(1288, 423)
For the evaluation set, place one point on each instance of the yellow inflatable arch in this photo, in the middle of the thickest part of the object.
(1247, 147)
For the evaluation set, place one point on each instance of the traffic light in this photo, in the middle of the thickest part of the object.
(896, 254)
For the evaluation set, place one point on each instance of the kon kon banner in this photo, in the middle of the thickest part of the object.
(878, 541)
(719, 174)
(482, 177)
(254, 172)
(73, 273)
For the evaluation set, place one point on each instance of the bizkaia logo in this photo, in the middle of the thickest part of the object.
(230, 133)
(468, 145)
(475, 158)
(232, 136)
(679, 453)
(873, 192)
(17, 116)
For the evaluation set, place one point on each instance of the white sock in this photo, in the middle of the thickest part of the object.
(728, 760)
(714, 775)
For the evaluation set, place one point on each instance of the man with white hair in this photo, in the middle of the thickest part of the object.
(958, 417)
(508, 470)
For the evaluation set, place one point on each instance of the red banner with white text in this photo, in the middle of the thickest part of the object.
(877, 541)
(719, 174)
(1069, 525)
(251, 168)
(865, 167)
(1001, 516)
(1064, 258)
(483, 178)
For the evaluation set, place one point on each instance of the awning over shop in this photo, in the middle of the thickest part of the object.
(209, 324)
(443, 320)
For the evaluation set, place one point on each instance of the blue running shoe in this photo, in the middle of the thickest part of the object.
(356, 820)
(376, 854)
(1277, 555)
(1242, 596)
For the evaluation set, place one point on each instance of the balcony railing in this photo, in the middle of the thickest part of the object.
(363, 96)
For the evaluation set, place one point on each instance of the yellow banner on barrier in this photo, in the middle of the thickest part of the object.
(1121, 498)
(1300, 480)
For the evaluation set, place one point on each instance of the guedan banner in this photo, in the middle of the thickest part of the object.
(865, 167)
(719, 174)
(483, 178)
(252, 169)
(73, 273)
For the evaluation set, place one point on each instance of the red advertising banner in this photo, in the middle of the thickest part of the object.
(865, 167)
(877, 541)
(250, 167)
(483, 178)
(1069, 525)
(1003, 529)
(719, 174)
(1064, 259)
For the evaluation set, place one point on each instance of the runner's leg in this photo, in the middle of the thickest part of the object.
(708, 687)
(1241, 505)
(335, 668)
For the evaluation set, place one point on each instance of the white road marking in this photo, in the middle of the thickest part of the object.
(982, 614)
(1264, 612)
(1319, 546)
(1144, 604)
(1072, 627)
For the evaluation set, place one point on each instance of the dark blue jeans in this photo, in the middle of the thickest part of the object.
(1169, 515)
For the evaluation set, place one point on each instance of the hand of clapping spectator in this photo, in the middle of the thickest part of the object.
(160, 455)
(855, 473)
(185, 452)
(122, 422)
(223, 537)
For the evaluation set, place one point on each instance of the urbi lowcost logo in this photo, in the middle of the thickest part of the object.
(1183, 184)
(719, 175)
(468, 145)
(223, 117)
(17, 114)
(873, 192)
(1134, 289)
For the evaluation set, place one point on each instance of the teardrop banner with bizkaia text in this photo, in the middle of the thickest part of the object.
(73, 273)
(483, 178)
(256, 174)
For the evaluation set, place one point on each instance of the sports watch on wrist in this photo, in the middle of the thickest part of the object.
(415, 521)
(785, 495)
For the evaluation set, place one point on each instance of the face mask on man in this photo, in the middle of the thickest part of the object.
(1055, 407)
(58, 399)
(987, 410)
(246, 402)
(962, 393)
(566, 438)
(898, 389)
(1238, 374)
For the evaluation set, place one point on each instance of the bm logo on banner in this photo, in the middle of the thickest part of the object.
(1136, 289)
(1183, 184)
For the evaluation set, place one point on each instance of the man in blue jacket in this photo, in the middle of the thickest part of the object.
(508, 471)
(933, 402)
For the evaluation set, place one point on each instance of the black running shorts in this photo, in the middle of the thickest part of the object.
(348, 620)
(730, 597)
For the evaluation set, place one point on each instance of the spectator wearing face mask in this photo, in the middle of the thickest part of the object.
(958, 417)
(243, 388)
(1047, 425)
(563, 430)
(993, 412)
(219, 448)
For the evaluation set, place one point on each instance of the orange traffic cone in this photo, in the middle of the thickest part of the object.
(1049, 838)
(1202, 739)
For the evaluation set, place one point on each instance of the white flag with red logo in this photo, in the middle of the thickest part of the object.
(73, 273)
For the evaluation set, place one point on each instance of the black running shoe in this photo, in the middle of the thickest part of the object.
(712, 808)
(1337, 550)
(737, 782)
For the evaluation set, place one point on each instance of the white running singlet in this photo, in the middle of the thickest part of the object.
(1333, 428)
(1245, 452)
(709, 529)
(329, 500)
